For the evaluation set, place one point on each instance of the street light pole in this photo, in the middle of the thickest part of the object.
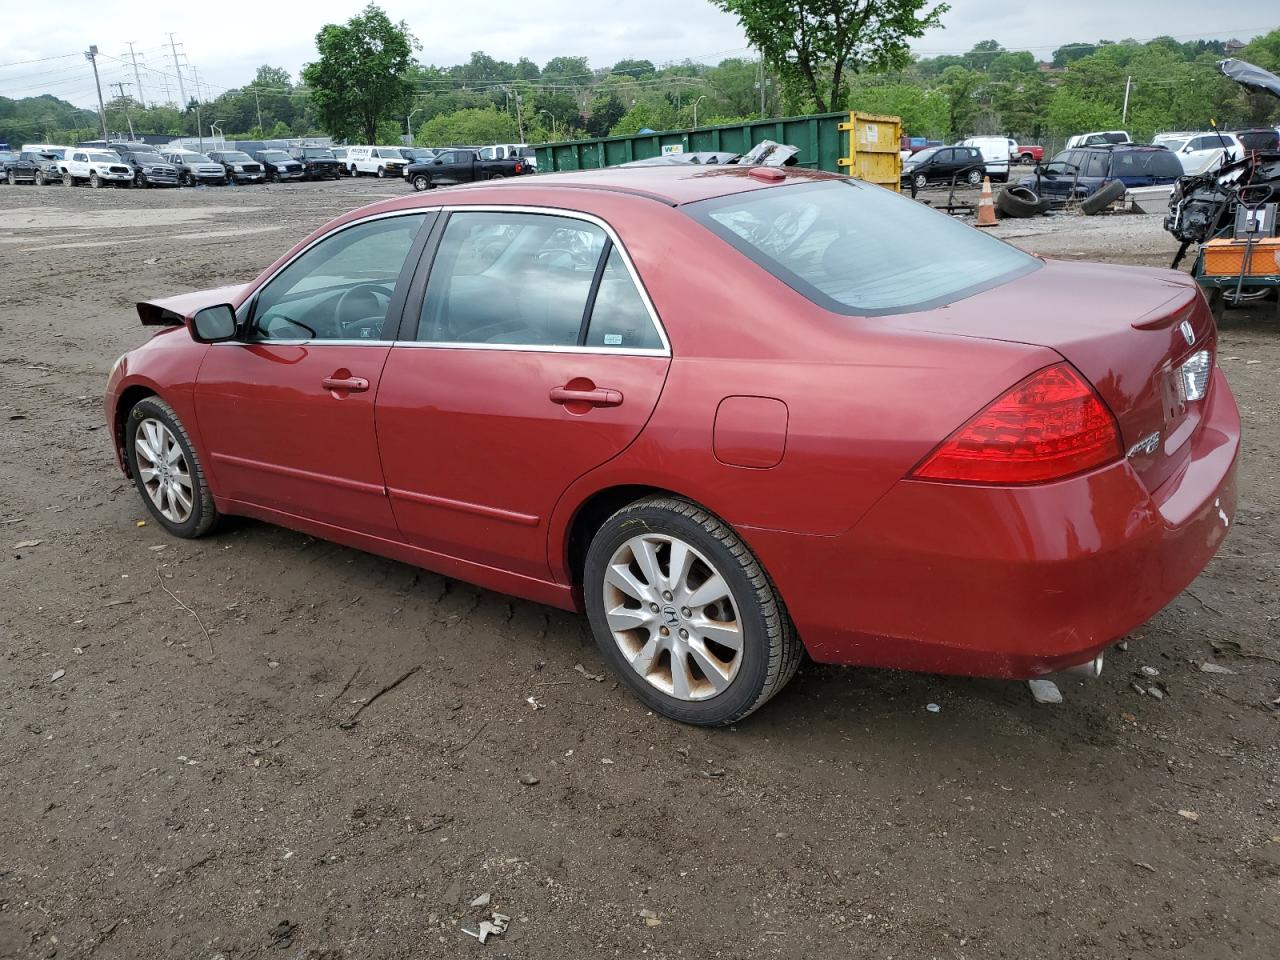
(695, 108)
(408, 123)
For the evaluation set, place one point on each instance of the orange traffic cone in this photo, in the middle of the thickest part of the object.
(986, 206)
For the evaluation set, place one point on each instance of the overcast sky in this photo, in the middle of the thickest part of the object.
(226, 47)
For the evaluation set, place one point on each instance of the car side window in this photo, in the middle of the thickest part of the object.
(341, 288)
(1095, 165)
(511, 278)
(619, 316)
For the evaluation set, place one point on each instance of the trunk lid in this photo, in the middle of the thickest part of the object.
(1128, 330)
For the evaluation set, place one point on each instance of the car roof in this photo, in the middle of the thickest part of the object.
(674, 185)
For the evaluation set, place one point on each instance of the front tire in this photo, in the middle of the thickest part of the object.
(13, 178)
(382, 173)
(94, 180)
(421, 182)
(921, 181)
(40, 179)
(68, 180)
(685, 615)
(167, 470)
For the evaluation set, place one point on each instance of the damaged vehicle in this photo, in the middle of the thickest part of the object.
(1232, 210)
(927, 450)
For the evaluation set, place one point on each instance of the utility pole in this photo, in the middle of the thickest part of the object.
(182, 92)
(1124, 113)
(124, 106)
(258, 104)
(136, 76)
(92, 56)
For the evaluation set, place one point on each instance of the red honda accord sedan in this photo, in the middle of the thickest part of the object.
(734, 415)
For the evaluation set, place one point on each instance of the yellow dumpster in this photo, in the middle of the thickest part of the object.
(873, 149)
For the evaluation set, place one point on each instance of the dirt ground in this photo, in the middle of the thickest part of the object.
(178, 779)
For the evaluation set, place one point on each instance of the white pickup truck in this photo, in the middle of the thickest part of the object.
(98, 167)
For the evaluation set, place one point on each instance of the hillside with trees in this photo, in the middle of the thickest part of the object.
(353, 96)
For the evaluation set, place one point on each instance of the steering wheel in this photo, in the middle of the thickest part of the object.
(368, 303)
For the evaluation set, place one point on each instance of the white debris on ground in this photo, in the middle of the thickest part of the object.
(1045, 691)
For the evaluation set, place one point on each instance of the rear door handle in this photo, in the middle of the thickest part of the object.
(596, 398)
(349, 384)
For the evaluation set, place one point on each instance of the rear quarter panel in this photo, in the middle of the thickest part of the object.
(865, 402)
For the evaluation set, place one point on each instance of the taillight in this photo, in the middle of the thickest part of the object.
(519, 168)
(1050, 426)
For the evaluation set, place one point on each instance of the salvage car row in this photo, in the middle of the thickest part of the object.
(145, 165)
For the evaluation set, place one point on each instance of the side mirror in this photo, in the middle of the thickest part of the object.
(437, 161)
(214, 324)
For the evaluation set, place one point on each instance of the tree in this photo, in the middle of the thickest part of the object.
(960, 86)
(811, 44)
(606, 110)
(487, 125)
(654, 114)
(361, 76)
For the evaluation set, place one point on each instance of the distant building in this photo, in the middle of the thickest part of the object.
(1232, 47)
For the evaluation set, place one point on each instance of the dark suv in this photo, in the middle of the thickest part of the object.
(943, 165)
(149, 168)
(240, 167)
(318, 163)
(1082, 171)
(1261, 140)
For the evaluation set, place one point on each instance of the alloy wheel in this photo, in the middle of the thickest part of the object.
(673, 617)
(163, 470)
(94, 181)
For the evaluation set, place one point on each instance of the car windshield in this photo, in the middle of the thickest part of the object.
(1259, 139)
(318, 154)
(147, 158)
(105, 157)
(194, 158)
(855, 248)
(235, 156)
(922, 155)
(1145, 163)
(1177, 143)
(275, 156)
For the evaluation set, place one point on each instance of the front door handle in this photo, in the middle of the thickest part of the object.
(347, 384)
(595, 397)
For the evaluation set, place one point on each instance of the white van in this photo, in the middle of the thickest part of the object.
(379, 161)
(995, 155)
(510, 151)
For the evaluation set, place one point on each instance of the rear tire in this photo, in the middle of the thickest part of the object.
(1018, 202)
(745, 611)
(1102, 198)
(921, 181)
(191, 516)
(974, 178)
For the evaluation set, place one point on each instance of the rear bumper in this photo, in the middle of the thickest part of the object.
(1009, 582)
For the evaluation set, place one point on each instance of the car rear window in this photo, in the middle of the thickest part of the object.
(858, 249)
(1145, 163)
(1260, 139)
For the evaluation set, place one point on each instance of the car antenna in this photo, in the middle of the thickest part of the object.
(1226, 148)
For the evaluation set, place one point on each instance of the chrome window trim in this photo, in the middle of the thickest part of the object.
(663, 351)
(242, 314)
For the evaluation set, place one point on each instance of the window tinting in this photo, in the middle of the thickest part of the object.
(855, 248)
(1145, 163)
(341, 288)
(511, 278)
(1096, 164)
(619, 317)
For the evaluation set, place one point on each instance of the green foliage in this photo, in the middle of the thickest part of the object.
(606, 110)
(361, 76)
(651, 114)
(811, 45)
(471, 126)
(923, 112)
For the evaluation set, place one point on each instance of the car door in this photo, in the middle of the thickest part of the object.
(536, 357)
(286, 410)
(78, 165)
(444, 167)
